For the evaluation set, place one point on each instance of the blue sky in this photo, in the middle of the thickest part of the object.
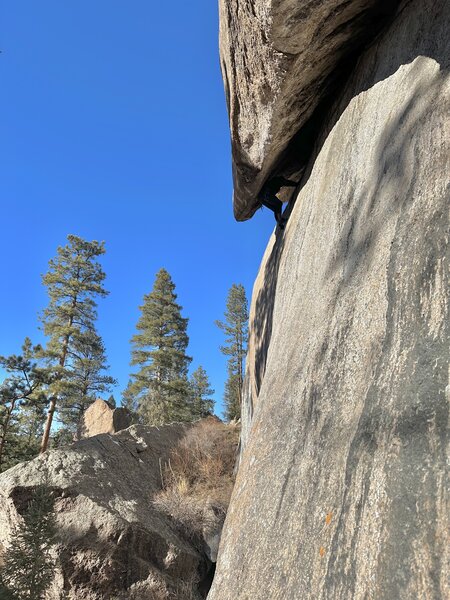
(113, 127)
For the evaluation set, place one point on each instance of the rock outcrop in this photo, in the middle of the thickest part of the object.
(341, 490)
(115, 540)
(281, 59)
(101, 417)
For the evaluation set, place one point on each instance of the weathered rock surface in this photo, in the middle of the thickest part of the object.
(100, 417)
(280, 59)
(342, 489)
(115, 542)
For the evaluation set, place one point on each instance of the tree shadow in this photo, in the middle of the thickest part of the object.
(389, 176)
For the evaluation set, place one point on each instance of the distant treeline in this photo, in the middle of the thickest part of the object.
(48, 388)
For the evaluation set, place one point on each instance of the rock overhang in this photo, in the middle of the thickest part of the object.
(281, 62)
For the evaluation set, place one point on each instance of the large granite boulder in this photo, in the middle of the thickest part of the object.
(115, 542)
(101, 417)
(281, 59)
(341, 490)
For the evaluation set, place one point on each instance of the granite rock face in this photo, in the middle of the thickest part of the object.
(114, 541)
(342, 488)
(280, 59)
(100, 417)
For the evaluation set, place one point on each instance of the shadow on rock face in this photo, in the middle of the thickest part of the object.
(262, 320)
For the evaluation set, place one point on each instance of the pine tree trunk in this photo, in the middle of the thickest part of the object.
(52, 407)
(48, 425)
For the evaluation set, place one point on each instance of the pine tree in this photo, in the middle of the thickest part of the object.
(28, 429)
(235, 328)
(74, 281)
(232, 396)
(130, 402)
(28, 565)
(85, 380)
(160, 387)
(22, 402)
(201, 402)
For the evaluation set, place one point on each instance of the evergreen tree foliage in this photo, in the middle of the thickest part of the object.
(235, 328)
(85, 380)
(5, 593)
(232, 396)
(129, 401)
(63, 437)
(160, 387)
(201, 403)
(28, 565)
(22, 403)
(74, 281)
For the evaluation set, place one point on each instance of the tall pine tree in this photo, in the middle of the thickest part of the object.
(74, 281)
(201, 402)
(235, 327)
(160, 387)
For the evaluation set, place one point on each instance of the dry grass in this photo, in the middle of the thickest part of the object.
(198, 477)
(197, 482)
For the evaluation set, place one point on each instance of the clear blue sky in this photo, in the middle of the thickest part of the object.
(113, 127)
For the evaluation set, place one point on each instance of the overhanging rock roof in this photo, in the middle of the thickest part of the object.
(280, 60)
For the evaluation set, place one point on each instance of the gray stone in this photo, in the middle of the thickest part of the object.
(114, 541)
(101, 417)
(213, 519)
(280, 59)
(341, 491)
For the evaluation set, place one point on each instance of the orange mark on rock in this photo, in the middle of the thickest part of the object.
(328, 518)
(322, 551)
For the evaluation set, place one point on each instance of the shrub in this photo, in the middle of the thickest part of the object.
(28, 566)
(198, 479)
